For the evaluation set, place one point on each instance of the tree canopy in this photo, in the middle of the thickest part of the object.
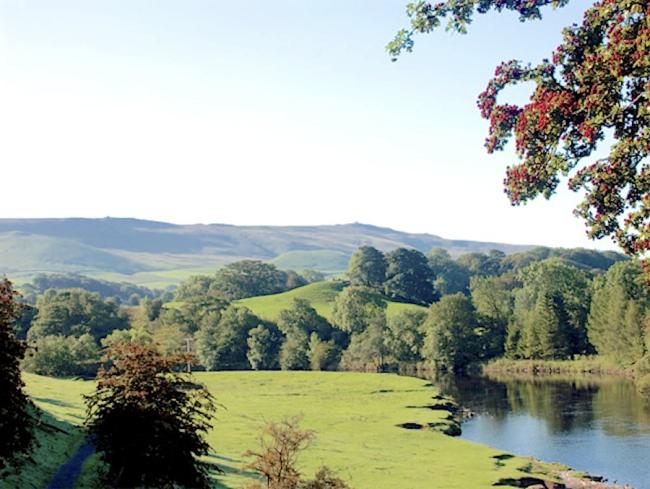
(367, 267)
(593, 91)
(16, 417)
(146, 426)
(74, 312)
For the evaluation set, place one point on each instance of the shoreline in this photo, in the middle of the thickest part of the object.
(590, 366)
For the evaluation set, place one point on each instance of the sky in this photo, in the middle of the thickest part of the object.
(284, 112)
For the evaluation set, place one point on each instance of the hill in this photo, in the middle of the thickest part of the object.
(157, 253)
(320, 295)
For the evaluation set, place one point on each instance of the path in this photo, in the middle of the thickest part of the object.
(67, 474)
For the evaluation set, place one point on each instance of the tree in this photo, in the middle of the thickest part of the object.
(493, 301)
(64, 356)
(545, 332)
(294, 354)
(75, 312)
(196, 286)
(147, 426)
(194, 312)
(620, 301)
(408, 277)
(302, 316)
(482, 264)
(367, 349)
(595, 89)
(24, 320)
(367, 267)
(323, 355)
(249, 278)
(403, 338)
(450, 276)
(552, 277)
(264, 342)
(276, 461)
(450, 337)
(16, 409)
(355, 308)
(221, 344)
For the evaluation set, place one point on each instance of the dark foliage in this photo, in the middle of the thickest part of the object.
(16, 419)
(408, 277)
(147, 426)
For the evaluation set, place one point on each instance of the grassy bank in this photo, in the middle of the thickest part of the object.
(581, 366)
(320, 295)
(356, 417)
(58, 434)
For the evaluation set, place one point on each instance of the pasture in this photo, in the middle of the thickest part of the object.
(355, 416)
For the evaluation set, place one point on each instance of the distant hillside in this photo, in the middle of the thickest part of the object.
(320, 296)
(147, 251)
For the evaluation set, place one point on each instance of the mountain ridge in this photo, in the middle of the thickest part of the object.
(130, 245)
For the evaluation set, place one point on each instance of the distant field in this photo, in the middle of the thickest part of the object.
(321, 296)
(159, 279)
(354, 415)
(327, 261)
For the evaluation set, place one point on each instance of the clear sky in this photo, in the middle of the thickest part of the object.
(262, 112)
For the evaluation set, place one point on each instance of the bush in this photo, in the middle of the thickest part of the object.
(277, 459)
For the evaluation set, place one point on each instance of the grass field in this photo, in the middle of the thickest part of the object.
(320, 295)
(354, 415)
(326, 261)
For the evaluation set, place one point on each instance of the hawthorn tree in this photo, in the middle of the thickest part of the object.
(594, 89)
(276, 460)
(146, 423)
(16, 419)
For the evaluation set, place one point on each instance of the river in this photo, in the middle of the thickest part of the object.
(599, 425)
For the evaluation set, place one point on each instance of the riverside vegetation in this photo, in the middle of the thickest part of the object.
(390, 308)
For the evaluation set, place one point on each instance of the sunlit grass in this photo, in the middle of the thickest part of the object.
(354, 415)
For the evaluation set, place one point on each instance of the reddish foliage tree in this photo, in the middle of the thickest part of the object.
(144, 420)
(16, 409)
(596, 86)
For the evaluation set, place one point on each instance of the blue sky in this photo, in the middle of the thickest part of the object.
(263, 112)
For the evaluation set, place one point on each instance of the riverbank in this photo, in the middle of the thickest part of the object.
(360, 420)
(581, 366)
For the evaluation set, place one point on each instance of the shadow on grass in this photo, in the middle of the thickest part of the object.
(220, 465)
(56, 442)
(54, 402)
(501, 458)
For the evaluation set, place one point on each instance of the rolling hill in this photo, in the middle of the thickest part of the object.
(320, 295)
(149, 252)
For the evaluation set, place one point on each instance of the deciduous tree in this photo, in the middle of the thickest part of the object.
(408, 277)
(450, 337)
(367, 267)
(146, 424)
(593, 91)
(16, 409)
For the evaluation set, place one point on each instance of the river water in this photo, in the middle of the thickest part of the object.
(597, 425)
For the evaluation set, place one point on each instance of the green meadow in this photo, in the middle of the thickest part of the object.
(320, 295)
(355, 416)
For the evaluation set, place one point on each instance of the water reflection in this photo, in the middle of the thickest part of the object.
(597, 424)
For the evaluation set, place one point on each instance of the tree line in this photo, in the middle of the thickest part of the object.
(540, 304)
